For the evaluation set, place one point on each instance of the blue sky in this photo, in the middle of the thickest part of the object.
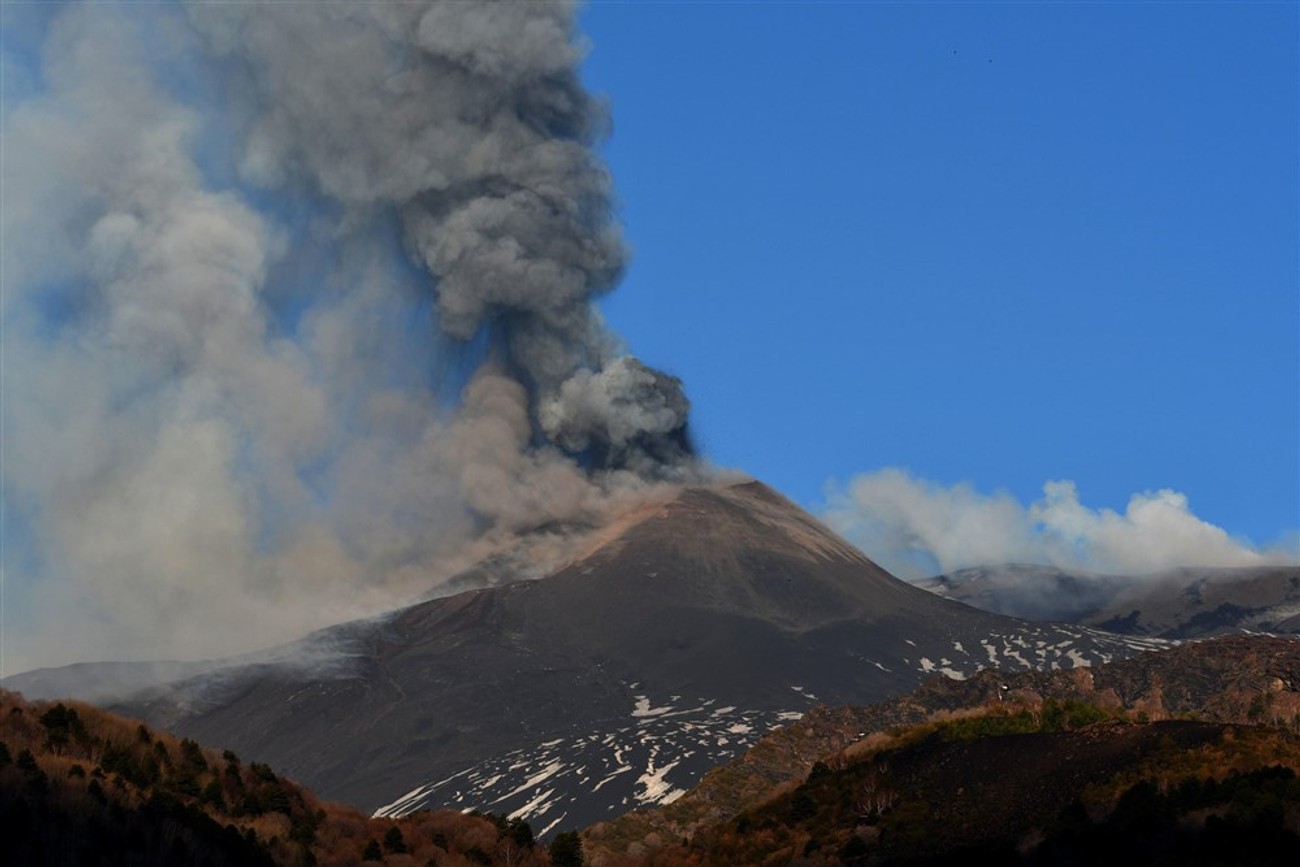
(998, 244)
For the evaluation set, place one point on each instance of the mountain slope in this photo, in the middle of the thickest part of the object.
(79, 785)
(1177, 604)
(1171, 792)
(699, 622)
(1233, 679)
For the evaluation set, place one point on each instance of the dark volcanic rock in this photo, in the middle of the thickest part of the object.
(701, 621)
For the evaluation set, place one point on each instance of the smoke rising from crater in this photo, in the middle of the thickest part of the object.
(298, 309)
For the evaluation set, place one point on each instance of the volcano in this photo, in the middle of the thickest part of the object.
(691, 627)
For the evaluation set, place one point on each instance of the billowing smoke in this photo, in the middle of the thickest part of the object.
(297, 313)
(917, 528)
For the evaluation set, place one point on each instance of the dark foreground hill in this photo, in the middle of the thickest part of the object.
(1027, 769)
(79, 786)
(1175, 793)
(1249, 680)
(699, 622)
(1034, 768)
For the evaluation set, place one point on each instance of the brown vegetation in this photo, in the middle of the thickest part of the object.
(1018, 787)
(1236, 679)
(82, 786)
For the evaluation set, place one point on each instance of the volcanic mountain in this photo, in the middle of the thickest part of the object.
(1178, 603)
(695, 624)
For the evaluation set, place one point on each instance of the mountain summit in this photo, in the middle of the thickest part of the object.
(692, 626)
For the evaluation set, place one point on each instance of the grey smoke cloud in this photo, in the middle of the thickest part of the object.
(616, 407)
(916, 528)
(223, 425)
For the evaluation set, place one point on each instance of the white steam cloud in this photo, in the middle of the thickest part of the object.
(917, 528)
(297, 310)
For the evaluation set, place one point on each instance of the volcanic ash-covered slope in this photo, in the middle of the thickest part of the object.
(695, 625)
(1176, 604)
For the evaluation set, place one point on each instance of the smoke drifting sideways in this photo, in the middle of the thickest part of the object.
(298, 316)
(917, 528)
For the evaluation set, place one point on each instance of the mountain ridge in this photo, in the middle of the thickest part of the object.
(1179, 603)
(696, 624)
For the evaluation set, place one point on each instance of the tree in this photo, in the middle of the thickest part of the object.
(393, 840)
(61, 725)
(371, 852)
(566, 850)
(520, 832)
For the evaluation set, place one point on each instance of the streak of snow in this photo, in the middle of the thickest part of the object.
(656, 788)
(622, 770)
(992, 652)
(1079, 660)
(643, 708)
(403, 804)
(547, 829)
(526, 809)
(545, 773)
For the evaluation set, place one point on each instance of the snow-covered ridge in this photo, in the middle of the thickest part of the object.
(664, 745)
(650, 757)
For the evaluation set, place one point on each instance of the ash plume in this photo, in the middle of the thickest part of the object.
(297, 312)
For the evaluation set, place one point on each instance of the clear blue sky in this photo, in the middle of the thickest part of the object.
(994, 243)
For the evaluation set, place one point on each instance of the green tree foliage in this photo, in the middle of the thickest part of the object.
(566, 850)
(62, 726)
(213, 794)
(1070, 714)
(141, 770)
(304, 827)
(989, 724)
(192, 756)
